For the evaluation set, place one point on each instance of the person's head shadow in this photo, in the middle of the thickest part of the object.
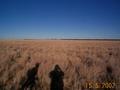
(56, 76)
(57, 68)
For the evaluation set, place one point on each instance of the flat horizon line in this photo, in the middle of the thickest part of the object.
(100, 39)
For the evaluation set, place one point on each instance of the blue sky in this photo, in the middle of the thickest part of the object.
(21, 19)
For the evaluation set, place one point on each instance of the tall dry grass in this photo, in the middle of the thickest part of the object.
(81, 61)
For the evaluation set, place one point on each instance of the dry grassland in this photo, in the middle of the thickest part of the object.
(81, 61)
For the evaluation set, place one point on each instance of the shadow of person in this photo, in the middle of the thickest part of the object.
(31, 78)
(56, 77)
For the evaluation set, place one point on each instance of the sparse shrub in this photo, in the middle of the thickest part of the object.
(88, 61)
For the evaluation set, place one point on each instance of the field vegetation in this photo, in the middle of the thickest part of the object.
(81, 61)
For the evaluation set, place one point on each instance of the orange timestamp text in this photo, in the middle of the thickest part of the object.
(100, 85)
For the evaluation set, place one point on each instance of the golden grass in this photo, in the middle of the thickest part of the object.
(81, 61)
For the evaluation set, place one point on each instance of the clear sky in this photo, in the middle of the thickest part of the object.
(59, 19)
